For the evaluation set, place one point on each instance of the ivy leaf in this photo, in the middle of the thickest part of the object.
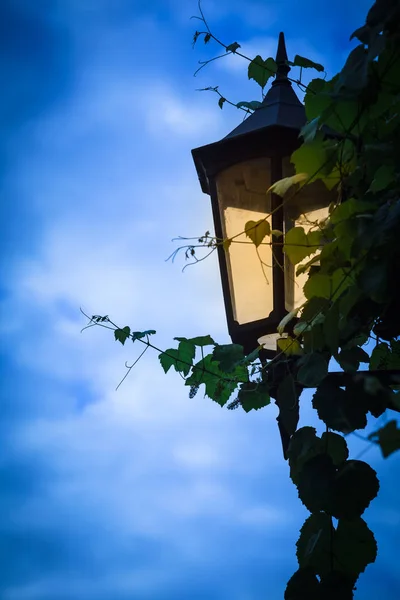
(355, 485)
(319, 286)
(316, 158)
(253, 105)
(305, 267)
(314, 544)
(202, 340)
(121, 335)
(304, 445)
(219, 387)
(348, 209)
(233, 47)
(253, 395)
(287, 400)
(221, 101)
(261, 70)
(388, 438)
(298, 245)
(306, 63)
(181, 358)
(257, 230)
(138, 335)
(383, 178)
(290, 346)
(338, 409)
(228, 355)
(354, 546)
(335, 445)
(315, 483)
(283, 185)
(350, 358)
(380, 357)
(313, 369)
(354, 74)
(303, 584)
(309, 130)
(286, 320)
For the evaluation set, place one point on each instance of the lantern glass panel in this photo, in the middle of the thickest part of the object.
(306, 209)
(242, 197)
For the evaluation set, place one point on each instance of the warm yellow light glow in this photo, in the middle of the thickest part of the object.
(242, 198)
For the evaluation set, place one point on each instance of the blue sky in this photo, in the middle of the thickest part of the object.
(140, 493)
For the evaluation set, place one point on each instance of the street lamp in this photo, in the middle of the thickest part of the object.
(259, 285)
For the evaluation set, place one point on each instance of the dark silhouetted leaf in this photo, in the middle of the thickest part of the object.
(253, 395)
(261, 70)
(356, 484)
(354, 546)
(313, 369)
(303, 585)
(227, 356)
(314, 543)
(121, 335)
(388, 438)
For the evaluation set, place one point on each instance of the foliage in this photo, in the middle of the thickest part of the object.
(350, 143)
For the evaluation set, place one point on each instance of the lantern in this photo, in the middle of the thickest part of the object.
(259, 283)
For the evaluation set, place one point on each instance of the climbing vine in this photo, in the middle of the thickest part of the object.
(351, 142)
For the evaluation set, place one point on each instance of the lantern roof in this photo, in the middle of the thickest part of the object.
(281, 106)
(275, 123)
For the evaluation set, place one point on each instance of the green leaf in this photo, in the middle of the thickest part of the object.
(121, 335)
(305, 267)
(261, 70)
(298, 245)
(168, 359)
(221, 101)
(227, 356)
(181, 358)
(355, 486)
(286, 320)
(318, 285)
(388, 438)
(202, 340)
(290, 346)
(354, 74)
(283, 185)
(313, 158)
(354, 546)
(380, 357)
(305, 63)
(138, 335)
(314, 544)
(313, 369)
(219, 387)
(339, 409)
(253, 395)
(335, 445)
(257, 230)
(303, 584)
(309, 130)
(253, 105)
(233, 47)
(383, 178)
(348, 209)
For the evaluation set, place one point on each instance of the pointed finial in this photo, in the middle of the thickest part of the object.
(282, 62)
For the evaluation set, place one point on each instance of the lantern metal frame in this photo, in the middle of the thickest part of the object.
(272, 132)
